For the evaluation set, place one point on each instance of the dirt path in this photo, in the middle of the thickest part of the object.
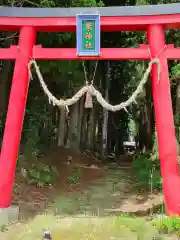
(83, 187)
(113, 193)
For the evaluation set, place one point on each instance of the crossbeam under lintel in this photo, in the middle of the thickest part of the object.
(140, 53)
(41, 53)
(172, 53)
(9, 53)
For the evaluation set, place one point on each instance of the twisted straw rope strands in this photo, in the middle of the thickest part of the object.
(94, 92)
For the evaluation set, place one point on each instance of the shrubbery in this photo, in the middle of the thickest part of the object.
(147, 171)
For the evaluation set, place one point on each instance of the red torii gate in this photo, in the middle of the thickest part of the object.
(152, 19)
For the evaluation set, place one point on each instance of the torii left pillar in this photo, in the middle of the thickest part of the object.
(15, 115)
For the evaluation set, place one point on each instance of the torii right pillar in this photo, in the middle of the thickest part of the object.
(164, 122)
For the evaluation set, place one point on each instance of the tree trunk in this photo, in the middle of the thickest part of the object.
(148, 115)
(105, 112)
(5, 75)
(90, 129)
(97, 112)
(80, 121)
(142, 130)
(74, 126)
(61, 130)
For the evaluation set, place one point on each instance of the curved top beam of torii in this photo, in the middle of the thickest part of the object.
(133, 18)
(147, 10)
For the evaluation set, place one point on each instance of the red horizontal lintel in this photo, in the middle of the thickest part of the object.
(109, 24)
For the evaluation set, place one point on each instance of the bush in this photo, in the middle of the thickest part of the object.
(147, 172)
(40, 174)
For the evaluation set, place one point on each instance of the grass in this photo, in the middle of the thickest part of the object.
(83, 228)
(93, 228)
(65, 205)
(167, 225)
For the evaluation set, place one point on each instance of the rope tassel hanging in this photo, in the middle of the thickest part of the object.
(88, 101)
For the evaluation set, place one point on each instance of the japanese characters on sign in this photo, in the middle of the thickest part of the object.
(88, 35)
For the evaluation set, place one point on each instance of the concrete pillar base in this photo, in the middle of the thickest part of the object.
(9, 215)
